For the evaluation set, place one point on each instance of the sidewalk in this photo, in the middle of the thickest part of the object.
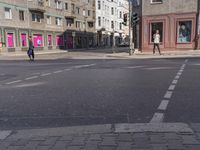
(163, 136)
(108, 53)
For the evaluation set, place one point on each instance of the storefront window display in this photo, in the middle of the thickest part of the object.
(37, 40)
(23, 39)
(59, 40)
(157, 26)
(10, 39)
(184, 29)
(49, 40)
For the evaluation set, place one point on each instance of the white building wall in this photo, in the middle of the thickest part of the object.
(106, 18)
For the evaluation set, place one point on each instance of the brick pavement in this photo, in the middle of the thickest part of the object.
(108, 140)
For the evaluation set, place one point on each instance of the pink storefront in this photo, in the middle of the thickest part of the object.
(10, 40)
(59, 40)
(24, 39)
(38, 40)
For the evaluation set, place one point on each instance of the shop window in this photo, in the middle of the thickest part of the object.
(10, 40)
(49, 40)
(59, 40)
(184, 29)
(37, 40)
(23, 39)
(156, 26)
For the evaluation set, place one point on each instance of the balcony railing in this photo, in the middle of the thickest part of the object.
(37, 5)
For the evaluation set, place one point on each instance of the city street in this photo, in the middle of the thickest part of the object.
(68, 92)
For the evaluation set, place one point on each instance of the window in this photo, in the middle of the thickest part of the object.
(78, 10)
(73, 8)
(90, 24)
(48, 2)
(69, 22)
(184, 29)
(112, 24)
(120, 14)
(84, 12)
(66, 6)
(49, 37)
(21, 15)
(157, 26)
(78, 24)
(8, 13)
(37, 40)
(10, 39)
(156, 1)
(36, 17)
(89, 13)
(137, 3)
(48, 19)
(99, 21)
(24, 39)
(112, 11)
(59, 40)
(58, 4)
(58, 21)
(99, 4)
(120, 26)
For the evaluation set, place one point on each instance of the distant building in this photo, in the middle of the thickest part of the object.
(177, 21)
(109, 21)
(53, 24)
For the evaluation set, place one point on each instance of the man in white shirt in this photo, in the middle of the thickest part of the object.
(156, 41)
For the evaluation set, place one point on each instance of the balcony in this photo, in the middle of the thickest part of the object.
(37, 5)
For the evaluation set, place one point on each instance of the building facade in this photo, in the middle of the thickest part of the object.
(53, 24)
(176, 20)
(109, 22)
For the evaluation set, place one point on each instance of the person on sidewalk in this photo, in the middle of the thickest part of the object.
(156, 42)
(30, 51)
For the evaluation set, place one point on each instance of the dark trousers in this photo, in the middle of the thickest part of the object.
(154, 47)
(31, 54)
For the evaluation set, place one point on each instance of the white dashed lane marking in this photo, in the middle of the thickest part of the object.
(30, 78)
(45, 74)
(159, 117)
(59, 71)
(174, 81)
(168, 94)
(17, 81)
(163, 105)
(172, 87)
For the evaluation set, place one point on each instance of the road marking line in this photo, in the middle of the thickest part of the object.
(174, 81)
(181, 70)
(179, 73)
(59, 71)
(33, 77)
(168, 94)
(134, 67)
(45, 74)
(67, 69)
(172, 87)
(177, 77)
(82, 66)
(157, 118)
(186, 60)
(17, 81)
(163, 105)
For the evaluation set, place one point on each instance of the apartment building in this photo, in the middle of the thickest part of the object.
(53, 24)
(176, 20)
(109, 18)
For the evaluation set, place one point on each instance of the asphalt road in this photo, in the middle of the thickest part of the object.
(65, 92)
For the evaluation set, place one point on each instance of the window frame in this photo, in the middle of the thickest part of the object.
(150, 31)
(152, 2)
(23, 15)
(10, 12)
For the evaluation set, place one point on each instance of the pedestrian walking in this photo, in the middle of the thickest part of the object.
(156, 40)
(30, 51)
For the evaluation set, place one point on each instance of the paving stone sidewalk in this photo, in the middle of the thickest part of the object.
(106, 140)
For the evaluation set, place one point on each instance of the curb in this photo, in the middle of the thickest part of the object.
(100, 129)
